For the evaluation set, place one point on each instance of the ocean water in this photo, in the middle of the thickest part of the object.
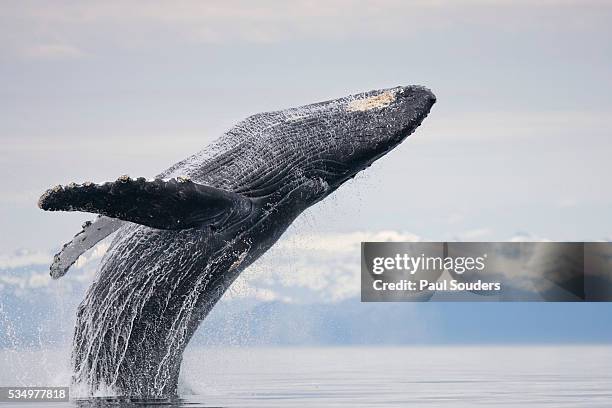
(466, 376)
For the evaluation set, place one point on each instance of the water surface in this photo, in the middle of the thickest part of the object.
(523, 376)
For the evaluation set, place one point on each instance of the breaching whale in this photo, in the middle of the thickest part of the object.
(183, 237)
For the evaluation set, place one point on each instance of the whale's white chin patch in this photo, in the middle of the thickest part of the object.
(373, 102)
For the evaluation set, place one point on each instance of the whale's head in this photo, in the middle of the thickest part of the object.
(337, 139)
(309, 151)
(371, 124)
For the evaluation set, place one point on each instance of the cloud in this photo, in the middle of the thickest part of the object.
(25, 269)
(344, 242)
(478, 233)
(527, 237)
(133, 23)
(52, 51)
(23, 258)
(20, 197)
(315, 268)
(520, 125)
(568, 202)
(243, 289)
(301, 268)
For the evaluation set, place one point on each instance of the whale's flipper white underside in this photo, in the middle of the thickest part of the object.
(173, 204)
(92, 233)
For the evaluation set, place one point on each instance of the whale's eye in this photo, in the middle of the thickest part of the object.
(373, 102)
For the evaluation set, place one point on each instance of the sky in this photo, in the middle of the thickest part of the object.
(517, 145)
(518, 142)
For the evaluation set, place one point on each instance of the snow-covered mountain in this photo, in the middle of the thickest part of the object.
(304, 291)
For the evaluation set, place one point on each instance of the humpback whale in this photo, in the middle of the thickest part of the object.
(183, 237)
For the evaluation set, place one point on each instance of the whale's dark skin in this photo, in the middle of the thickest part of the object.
(185, 237)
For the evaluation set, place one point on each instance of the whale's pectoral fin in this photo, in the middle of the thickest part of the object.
(165, 204)
(92, 233)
